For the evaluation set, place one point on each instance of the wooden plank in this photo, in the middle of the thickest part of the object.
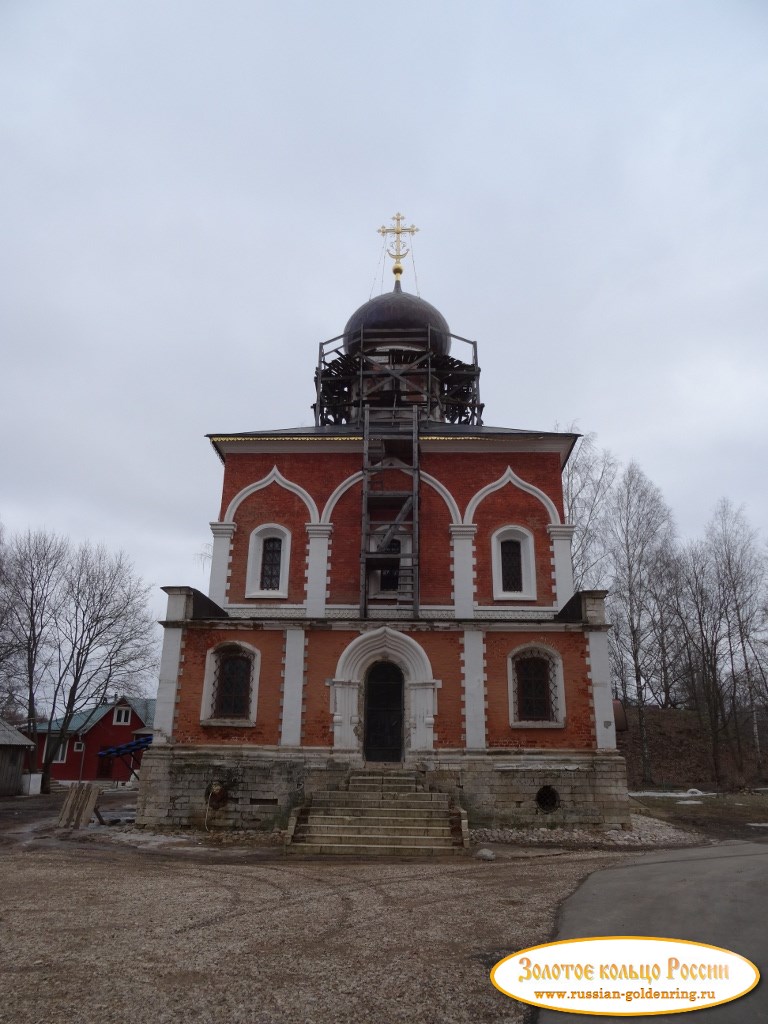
(79, 805)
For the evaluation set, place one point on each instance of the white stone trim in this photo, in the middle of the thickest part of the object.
(293, 688)
(528, 558)
(463, 550)
(170, 663)
(220, 558)
(255, 555)
(206, 705)
(319, 535)
(420, 689)
(473, 686)
(273, 477)
(345, 714)
(510, 477)
(602, 698)
(559, 721)
(562, 537)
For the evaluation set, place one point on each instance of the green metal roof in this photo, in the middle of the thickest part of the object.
(82, 721)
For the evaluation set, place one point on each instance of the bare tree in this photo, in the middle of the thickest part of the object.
(588, 478)
(30, 582)
(640, 527)
(103, 638)
(702, 615)
(741, 568)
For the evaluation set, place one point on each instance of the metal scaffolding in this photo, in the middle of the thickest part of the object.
(389, 552)
(391, 371)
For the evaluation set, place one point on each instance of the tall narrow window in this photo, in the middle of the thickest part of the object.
(232, 683)
(534, 700)
(271, 563)
(511, 565)
(536, 689)
(269, 559)
(390, 578)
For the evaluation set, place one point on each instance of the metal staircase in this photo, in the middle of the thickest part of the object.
(389, 548)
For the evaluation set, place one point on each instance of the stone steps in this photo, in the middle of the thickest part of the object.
(372, 849)
(383, 814)
(375, 815)
(317, 826)
(406, 802)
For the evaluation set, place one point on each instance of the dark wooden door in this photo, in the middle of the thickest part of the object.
(384, 713)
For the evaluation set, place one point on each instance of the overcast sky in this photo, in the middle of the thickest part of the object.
(190, 195)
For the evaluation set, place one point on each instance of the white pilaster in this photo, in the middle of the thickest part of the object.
(602, 699)
(170, 662)
(293, 688)
(561, 547)
(222, 543)
(463, 537)
(317, 567)
(474, 689)
(345, 713)
(423, 704)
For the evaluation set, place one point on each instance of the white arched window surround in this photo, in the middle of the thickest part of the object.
(558, 719)
(528, 560)
(255, 557)
(209, 679)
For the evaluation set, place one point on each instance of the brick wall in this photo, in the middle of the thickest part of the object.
(579, 731)
(187, 727)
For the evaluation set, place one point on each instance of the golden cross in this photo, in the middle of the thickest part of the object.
(399, 249)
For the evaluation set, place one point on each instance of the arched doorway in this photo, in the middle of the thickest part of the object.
(383, 739)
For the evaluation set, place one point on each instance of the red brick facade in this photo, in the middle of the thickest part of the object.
(481, 592)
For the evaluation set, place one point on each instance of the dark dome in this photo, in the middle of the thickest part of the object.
(414, 323)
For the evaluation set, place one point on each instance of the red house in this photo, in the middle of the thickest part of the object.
(93, 730)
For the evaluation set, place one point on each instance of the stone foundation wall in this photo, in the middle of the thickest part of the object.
(535, 789)
(241, 787)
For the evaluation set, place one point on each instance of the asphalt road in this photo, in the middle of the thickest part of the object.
(717, 895)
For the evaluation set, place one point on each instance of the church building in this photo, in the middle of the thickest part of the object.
(391, 596)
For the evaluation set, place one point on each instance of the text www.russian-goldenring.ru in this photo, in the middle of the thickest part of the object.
(628, 997)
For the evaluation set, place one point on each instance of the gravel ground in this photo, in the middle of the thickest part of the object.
(646, 833)
(119, 924)
(92, 935)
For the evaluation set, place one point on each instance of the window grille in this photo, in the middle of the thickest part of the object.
(232, 684)
(535, 687)
(511, 566)
(271, 563)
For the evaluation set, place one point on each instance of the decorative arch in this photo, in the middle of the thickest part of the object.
(445, 494)
(435, 484)
(343, 487)
(510, 477)
(273, 477)
(383, 644)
